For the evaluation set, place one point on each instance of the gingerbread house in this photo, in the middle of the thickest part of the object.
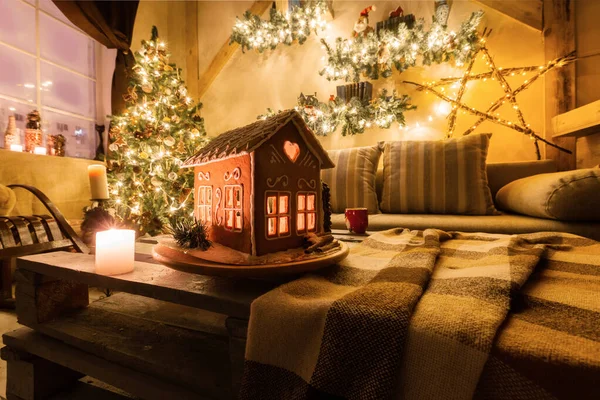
(258, 187)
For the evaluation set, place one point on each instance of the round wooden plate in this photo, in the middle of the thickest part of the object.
(178, 260)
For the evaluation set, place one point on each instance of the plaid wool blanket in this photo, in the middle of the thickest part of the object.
(434, 315)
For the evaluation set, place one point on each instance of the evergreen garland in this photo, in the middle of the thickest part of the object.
(377, 55)
(150, 141)
(352, 117)
(251, 32)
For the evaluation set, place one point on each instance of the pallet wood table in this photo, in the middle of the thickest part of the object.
(165, 335)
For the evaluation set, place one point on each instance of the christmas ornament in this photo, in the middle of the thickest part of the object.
(156, 182)
(113, 147)
(509, 97)
(442, 11)
(169, 141)
(131, 95)
(180, 147)
(33, 131)
(361, 27)
(172, 176)
(147, 88)
(398, 12)
(10, 135)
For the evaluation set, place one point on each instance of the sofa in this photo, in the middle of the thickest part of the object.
(499, 175)
(63, 179)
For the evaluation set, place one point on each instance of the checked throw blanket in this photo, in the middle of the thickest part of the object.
(434, 315)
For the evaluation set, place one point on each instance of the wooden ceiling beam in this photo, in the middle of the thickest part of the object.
(226, 52)
(528, 12)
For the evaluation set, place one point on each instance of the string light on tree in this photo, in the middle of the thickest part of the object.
(252, 32)
(150, 140)
(496, 74)
(375, 55)
(352, 117)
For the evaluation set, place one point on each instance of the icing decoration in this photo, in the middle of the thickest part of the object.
(219, 220)
(275, 156)
(277, 214)
(291, 150)
(203, 176)
(233, 208)
(283, 178)
(312, 184)
(235, 174)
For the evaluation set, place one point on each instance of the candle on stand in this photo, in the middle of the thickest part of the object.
(39, 150)
(98, 182)
(115, 251)
(16, 147)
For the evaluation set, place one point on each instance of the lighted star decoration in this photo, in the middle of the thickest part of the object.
(495, 74)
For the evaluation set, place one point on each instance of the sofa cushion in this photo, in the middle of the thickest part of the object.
(501, 174)
(352, 181)
(439, 177)
(567, 196)
(504, 223)
(8, 199)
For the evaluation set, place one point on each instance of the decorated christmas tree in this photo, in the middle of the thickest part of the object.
(150, 140)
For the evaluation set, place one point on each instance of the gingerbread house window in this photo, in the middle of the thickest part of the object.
(205, 204)
(306, 216)
(278, 214)
(233, 208)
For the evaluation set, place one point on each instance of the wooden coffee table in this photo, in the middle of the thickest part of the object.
(166, 334)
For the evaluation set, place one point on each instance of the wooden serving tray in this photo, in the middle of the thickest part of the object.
(178, 260)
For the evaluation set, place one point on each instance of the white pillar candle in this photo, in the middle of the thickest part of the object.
(16, 147)
(115, 251)
(98, 182)
(39, 150)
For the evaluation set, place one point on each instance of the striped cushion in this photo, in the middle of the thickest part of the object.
(437, 177)
(352, 181)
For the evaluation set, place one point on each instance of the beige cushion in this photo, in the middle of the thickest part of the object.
(567, 196)
(438, 177)
(8, 199)
(501, 174)
(352, 181)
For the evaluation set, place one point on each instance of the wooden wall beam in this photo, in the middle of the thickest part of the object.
(191, 45)
(560, 88)
(225, 53)
(528, 12)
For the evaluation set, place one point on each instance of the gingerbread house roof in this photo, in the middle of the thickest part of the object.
(248, 138)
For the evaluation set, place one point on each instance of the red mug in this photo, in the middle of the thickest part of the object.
(357, 219)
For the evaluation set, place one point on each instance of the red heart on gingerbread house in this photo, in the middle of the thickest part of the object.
(291, 150)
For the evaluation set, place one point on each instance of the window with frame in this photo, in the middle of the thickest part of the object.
(306, 216)
(205, 204)
(233, 208)
(278, 214)
(50, 65)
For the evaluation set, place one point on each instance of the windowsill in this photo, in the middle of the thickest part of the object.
(26, 154)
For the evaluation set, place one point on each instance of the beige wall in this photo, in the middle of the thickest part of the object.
(173, 22)
(252, 82)
(588, 74)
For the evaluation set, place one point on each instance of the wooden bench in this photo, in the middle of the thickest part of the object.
(166, 335)
(25, 235)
